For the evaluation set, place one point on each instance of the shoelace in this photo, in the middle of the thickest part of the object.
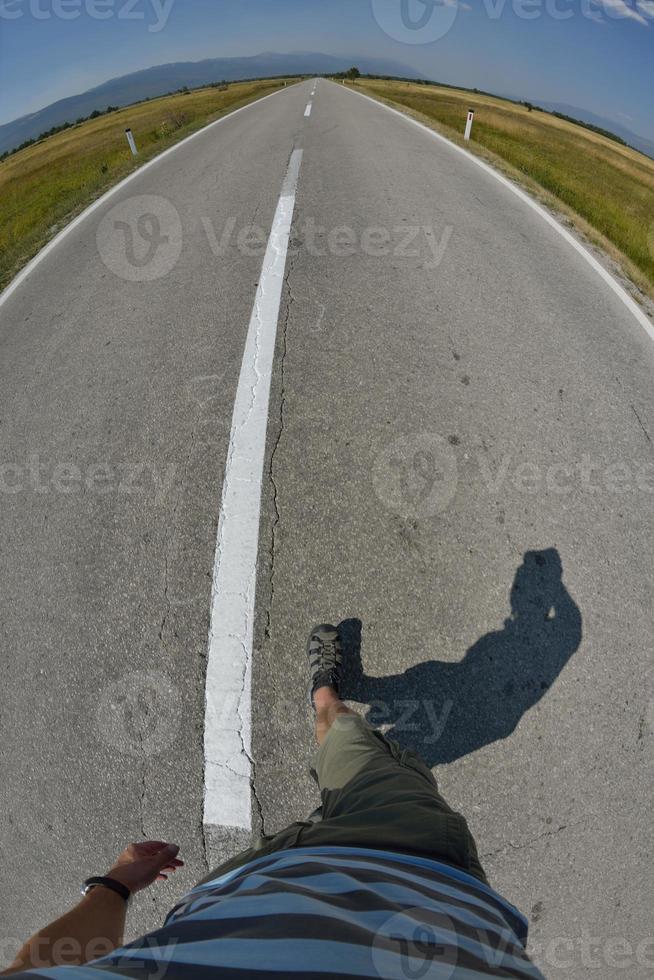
(327, 652)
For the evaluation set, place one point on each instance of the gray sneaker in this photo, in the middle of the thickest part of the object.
(325, 659)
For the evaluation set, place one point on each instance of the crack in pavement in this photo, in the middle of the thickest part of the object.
(640, 422)
(166, 599)
(290, 299)
(173, 516)
(228, 702)
(144, 787)
(527, 843)
(244, 749)
(271, 469)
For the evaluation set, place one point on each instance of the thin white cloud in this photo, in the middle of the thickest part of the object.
(646, 7)
(618, 9)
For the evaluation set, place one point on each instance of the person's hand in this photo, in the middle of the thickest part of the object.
(142, 863)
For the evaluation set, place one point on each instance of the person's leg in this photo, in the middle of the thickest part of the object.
(373, 792)
(324, 651)
(328, 707)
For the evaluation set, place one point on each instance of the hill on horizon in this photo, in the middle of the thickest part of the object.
(637, 142)
(161, 79)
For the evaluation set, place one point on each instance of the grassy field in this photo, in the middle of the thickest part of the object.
(605, 188)
(44, 185)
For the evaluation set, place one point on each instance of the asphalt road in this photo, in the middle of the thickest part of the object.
(459, 458)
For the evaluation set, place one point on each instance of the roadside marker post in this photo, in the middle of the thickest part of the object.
(471, 116)
(130, 140)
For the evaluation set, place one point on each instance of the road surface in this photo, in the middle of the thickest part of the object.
(458, 462)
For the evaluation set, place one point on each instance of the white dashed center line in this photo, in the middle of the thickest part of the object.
(228, 717)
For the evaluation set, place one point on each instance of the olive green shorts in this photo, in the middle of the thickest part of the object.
(374, 794)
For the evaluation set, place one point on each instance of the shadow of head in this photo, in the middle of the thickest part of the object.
(445, 710)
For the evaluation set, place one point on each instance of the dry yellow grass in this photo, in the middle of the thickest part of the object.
(46, 184)
(606, 188)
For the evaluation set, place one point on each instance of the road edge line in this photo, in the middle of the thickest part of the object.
(26, 271)
(608, 278)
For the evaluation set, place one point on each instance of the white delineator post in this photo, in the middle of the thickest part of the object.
(471, 116)
(130, 140)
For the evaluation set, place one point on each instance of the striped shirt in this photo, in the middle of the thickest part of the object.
(326, 911)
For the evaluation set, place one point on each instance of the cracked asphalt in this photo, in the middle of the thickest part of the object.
(459, 468)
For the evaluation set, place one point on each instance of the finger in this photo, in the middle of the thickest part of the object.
(162, 877)
(151, 846)
(147, 849)
(159, 851)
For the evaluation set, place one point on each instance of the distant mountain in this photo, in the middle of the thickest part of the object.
(641, 143)
(151, 82)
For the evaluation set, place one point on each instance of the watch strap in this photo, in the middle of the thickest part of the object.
(111, 883)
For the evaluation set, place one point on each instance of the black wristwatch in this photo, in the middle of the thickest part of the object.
(111, 883)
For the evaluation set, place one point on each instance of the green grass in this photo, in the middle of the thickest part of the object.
(44, 185)
(605, 188)
(608, 186)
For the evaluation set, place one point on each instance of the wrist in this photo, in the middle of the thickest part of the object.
(103, 896)
(110, 883)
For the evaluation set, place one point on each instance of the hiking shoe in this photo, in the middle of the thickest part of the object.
(325, 659)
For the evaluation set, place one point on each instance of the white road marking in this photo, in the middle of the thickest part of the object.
(619, 290)
(228, 718)
(307, 111)
(38, 258)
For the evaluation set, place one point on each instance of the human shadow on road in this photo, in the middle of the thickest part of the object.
(446, 710)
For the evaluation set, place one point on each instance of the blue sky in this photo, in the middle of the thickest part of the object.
(600, 57)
